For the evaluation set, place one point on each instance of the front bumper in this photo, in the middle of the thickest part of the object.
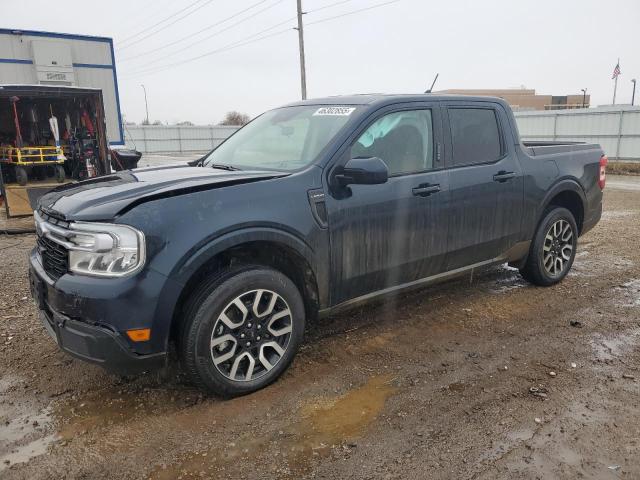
(90, 341)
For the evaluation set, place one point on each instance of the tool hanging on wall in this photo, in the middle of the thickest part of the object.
(67, 124)
(53, 123)
(13, 101)
(88, 124)
(34, 131)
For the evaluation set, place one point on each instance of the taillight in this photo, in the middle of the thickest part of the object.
(603, 176)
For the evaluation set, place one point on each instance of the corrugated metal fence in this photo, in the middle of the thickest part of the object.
(174, 138)
(617, 129)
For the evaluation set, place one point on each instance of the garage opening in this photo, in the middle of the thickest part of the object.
(49, 135)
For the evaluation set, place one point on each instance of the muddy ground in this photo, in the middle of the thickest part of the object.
(478, 378)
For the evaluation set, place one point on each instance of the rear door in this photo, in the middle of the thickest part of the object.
(387, 235)
(485, 183)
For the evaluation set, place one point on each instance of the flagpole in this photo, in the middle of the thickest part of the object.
(615, 85)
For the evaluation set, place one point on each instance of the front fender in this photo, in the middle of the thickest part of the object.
(192, 262)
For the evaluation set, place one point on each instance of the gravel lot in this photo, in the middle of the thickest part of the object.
(477, 378)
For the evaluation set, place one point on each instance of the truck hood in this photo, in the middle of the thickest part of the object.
(103, 198)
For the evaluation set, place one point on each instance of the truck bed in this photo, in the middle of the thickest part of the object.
(537, 148)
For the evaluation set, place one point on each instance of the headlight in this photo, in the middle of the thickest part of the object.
(105, 249)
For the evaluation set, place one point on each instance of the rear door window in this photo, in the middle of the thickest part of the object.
(475, 136)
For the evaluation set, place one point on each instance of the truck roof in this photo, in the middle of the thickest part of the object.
(381, 99)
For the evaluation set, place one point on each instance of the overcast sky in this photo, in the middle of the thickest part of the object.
(554, 46)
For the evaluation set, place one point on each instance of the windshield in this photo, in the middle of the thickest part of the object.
(287, 138)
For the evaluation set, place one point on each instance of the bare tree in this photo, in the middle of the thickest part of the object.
(235, 118)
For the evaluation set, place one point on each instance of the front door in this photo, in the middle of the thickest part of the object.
(391, 234)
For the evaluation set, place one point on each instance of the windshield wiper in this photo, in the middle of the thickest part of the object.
(221, 166)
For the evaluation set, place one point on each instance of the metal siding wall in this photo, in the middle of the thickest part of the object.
(91, 52)
(17, 73)
(12, 46)
(593, 126)
(102, 78)
(616, 128)
(175, 139)
(631, 123)
(97, 53)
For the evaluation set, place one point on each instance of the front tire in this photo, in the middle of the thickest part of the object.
(241, 330)
(553, 249)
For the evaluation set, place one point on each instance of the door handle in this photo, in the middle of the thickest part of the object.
(425, 190)
(503, 176)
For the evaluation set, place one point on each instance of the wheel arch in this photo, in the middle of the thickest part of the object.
(266, 247)
(568, 194)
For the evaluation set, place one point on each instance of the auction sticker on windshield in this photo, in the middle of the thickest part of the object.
(336, 111)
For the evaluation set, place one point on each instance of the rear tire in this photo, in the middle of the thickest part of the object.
(241, 330)
(553, 248)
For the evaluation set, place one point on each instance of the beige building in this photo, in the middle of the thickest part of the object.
(526, 99)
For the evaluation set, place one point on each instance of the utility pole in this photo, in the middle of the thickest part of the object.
(146, 105)
(303, 74)
(584, 96)
(633, 95)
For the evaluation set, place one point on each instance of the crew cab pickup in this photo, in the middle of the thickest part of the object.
(311, 207)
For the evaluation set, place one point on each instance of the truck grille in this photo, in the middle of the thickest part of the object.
(55, 257)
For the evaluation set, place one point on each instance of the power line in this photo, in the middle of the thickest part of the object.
(138, 40)
(230, 46)
(328, 6)
(249, 40)
(133, 18)
(186, 47)
(162, 47)
(125, 40)
(378, 5)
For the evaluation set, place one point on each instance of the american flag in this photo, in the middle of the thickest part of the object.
(616, 71)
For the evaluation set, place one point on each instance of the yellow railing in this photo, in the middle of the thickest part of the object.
(31, 155)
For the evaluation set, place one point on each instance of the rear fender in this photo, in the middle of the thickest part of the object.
(560, 186)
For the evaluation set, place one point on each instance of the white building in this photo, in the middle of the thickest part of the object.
(44, 58)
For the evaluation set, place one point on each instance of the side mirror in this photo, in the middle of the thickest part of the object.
(363, 171)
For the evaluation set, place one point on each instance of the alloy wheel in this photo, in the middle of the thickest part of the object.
(558, 247)
(251, 335)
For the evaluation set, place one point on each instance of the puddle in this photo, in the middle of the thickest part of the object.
(25, 427)
(26, 452)
(631, 293)
(321, 426)
(99, 409)
(609, 214)
(344, 418)
(509, 279)
(586, 266)
(378, 341)
(614, 347)
(512, 439)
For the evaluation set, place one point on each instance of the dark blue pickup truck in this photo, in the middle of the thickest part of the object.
(311, 207)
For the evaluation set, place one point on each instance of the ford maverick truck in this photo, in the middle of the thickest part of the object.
(311, 207)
